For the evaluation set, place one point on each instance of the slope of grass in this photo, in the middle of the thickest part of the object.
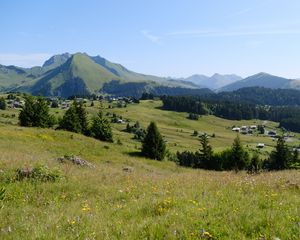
(155, 200)
(151, 200)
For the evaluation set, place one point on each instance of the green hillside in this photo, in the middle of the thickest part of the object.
(125, 196)
(79, 74)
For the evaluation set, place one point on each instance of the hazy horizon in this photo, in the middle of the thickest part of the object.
(158, 38)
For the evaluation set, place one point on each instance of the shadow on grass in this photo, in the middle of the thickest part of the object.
(135, 154)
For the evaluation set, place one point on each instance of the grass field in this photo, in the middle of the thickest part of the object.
(154, 200)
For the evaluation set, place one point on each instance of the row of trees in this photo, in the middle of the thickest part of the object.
(288, 116)
(237, 158)
(35, 113)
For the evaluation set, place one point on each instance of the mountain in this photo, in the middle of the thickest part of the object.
(215, 81)
(80, 74)
(56, 61)
(263, 80)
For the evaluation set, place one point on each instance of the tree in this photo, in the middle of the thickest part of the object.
(154, 146)
(101, 128)
(35, 113)
(71, 121)
(2, 103)
(239, 156)
(206, 153)
(54, 104)
(82, 116)
(255, 163)
(280, 157)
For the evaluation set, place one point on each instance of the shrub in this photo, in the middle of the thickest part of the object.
(193, 116)
(39, 173)
(2, 193)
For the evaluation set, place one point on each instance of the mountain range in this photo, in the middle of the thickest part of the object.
(80, 74)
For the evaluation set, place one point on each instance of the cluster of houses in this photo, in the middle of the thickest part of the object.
(15, 103)
(245, 129)
(251, 129)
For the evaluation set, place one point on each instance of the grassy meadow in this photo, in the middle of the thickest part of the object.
(125, 196)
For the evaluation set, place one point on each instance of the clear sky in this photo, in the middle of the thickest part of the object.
(174, 38)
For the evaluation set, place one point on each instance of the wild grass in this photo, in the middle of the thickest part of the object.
(154, 200)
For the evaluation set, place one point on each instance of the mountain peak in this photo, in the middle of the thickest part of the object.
(56, 60)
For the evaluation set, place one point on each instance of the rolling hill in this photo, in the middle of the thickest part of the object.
(125, 196)
(263, 80)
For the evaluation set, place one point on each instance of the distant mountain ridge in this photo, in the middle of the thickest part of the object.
(80, 74)
(216, 81)
(263, 80)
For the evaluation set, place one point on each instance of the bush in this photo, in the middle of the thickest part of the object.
(2, 193)
(39, 173)
(193, 116)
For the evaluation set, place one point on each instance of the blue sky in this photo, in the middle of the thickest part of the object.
(161, 37)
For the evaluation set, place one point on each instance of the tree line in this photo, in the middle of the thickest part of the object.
(237, 158)
(35, 113)
(287, 116)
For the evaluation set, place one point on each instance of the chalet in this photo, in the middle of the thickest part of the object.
(253, 127)
(236, 129)
(260, 145)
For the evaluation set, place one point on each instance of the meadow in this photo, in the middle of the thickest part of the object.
(125, 196)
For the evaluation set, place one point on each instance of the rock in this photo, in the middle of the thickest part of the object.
(22, 173)
(75, 160)
(127, 169)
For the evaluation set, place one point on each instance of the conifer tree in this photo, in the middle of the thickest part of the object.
(101, 128)
(35, 113)
(154, 146)
(82, 116)
(280, 157)
(2, 104)
(71, 121)
(206, 153)
(239, 156)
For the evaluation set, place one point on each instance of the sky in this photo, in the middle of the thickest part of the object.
(175, 38)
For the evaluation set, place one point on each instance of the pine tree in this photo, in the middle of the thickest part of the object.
(154, 146)
(71, 121)
(2, 103)
(26, 115)
(281, 156)
(240, 157)
(206, 153)
(35, 113)
(82, 116)
(255, 163)
(101, 128)
(75, 119)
